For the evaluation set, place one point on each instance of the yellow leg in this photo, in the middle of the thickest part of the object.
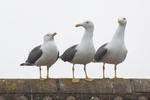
(115, 77)
(74, 80)
(103, 70)
(47, 72)
(40, 74)
(73, 71)
(88, 79)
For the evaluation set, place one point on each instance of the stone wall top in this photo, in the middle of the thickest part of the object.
(108, 86)
(64, 89)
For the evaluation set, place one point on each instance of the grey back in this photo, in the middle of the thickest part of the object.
(69, 53)
(34, 55)
(100, 53)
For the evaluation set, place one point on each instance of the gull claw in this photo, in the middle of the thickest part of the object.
(89, 79)
(74, 80)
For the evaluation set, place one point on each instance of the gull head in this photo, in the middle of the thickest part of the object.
(86, 25)
(49, 36)
(122, 21)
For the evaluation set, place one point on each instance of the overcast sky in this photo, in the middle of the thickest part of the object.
(23, 23)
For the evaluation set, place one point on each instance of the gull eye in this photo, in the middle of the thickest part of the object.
(87, 22)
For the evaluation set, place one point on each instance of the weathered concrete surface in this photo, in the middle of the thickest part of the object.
(64, 89)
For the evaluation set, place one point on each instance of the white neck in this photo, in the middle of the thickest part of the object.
(48, 41)
(88, 35)
(119, 35)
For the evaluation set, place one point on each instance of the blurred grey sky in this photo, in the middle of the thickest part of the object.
(24, 22)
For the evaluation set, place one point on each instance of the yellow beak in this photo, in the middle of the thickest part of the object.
(119, 21)
(54, 34)
(79, 25)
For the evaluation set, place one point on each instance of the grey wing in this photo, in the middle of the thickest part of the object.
(57, 56)
(69, 53)
(34, 55)
(100, 53)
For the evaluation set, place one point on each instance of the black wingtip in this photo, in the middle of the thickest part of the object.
(26, 64)
(22, 64)
(95, 61)
(62, 58)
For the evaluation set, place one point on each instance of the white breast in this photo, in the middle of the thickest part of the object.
(85, 53)
(116, 53)
(49, 54)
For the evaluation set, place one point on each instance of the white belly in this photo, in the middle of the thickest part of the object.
(115, 55)
(84, 54)
(49, 55)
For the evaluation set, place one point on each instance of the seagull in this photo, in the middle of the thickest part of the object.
(115, 51)
(43, 55)
(82, 53)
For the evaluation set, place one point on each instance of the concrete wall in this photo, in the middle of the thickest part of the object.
(64, 89)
